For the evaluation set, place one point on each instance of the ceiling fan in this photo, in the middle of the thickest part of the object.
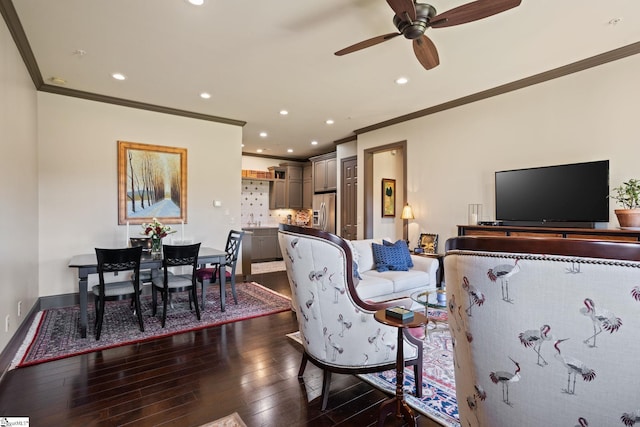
(412, 19)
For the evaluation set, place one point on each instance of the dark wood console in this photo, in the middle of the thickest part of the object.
(567, 233)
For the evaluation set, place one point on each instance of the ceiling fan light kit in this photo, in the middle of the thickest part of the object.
(412, 19)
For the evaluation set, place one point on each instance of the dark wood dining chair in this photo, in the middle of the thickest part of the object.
(117, 261)
(211, 274)
(168, 282)
(145, 243)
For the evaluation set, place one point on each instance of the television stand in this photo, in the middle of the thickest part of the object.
(504, 230)
(551, 224)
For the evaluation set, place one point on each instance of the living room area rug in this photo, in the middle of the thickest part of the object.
(55, 333)
(438, 400)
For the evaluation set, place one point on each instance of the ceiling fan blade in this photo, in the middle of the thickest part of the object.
(472, 12)
(426, 52)
(366, 43)
(402, 8)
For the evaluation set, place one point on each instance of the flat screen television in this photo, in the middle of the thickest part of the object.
(572, 195)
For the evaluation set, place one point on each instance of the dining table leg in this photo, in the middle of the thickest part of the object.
(223, 284)
(82, 290)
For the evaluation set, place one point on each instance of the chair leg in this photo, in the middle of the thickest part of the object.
(154, 300)
(194, 291)
(417, 374)
(203, 291)
(326, 384)
(165, 300)
(139, 312)
(303, 364)
(99, 318)
(233, 288)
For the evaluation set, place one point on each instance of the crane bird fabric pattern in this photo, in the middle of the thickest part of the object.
(559, 352)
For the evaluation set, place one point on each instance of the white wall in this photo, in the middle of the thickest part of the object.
(78, 178)
(452, 155)
(387, 164)
(18, 189)
(259, 163)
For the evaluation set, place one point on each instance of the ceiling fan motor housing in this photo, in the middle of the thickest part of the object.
(415, 29)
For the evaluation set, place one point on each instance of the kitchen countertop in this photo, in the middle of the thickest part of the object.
(261, 227)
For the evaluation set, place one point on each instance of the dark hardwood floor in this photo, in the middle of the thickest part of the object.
(249, 367)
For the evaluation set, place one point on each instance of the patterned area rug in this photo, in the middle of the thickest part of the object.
(438, 400)
(55, 334)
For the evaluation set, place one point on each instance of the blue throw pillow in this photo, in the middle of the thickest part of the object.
(389, 258)
(405, 250)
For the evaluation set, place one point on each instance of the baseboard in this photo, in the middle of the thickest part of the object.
(10, 350)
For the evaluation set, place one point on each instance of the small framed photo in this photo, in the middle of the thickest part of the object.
(429, 243)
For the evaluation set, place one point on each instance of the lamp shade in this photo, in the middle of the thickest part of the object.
(407, 212)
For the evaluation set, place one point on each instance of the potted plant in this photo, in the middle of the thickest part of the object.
(628, 195)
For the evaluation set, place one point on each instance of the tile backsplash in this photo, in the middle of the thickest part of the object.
(255, 200)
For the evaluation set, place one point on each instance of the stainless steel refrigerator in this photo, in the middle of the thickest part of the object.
(324, 212)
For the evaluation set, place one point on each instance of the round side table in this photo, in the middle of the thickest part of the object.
(397, 405)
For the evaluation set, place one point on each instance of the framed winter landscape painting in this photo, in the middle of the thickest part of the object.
(152, 183)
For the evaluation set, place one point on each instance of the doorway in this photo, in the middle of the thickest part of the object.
(349, 198)
(369, 173)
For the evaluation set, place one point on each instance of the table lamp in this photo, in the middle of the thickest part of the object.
(407, 213)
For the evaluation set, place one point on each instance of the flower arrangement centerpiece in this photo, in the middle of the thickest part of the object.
(156, 231)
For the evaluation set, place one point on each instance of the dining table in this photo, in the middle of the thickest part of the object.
(88, 264)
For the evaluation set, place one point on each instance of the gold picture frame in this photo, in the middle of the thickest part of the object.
(152, 183)
(428, 242)
(388, 197)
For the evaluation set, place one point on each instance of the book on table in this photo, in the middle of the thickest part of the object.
(399, 313)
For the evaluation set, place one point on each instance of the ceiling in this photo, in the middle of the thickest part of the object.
(256, 58)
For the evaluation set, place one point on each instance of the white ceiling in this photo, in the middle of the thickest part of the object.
(258, 57)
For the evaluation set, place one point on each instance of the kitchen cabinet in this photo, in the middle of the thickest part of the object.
(264, 244)
(325, 169)
(285, 191)
(307, 186)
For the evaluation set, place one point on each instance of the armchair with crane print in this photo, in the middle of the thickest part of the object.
(337, 328)
(545, 331)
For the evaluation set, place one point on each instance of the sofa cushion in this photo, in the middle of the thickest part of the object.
(405, 250)
(364, 254)
(389, 258)
(373, 286)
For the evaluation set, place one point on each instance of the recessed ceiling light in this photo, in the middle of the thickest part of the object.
(314, 142)
(196, 2)
(242, 145)
(259, 150)
(329, 121)
(402, 81)
(289, 150)
(283, 112)
(118, 76)
(205, 95)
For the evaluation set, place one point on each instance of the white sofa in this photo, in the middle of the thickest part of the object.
(379, 286)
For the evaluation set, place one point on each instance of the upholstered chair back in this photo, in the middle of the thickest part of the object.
(546, 331)
(337, 328)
